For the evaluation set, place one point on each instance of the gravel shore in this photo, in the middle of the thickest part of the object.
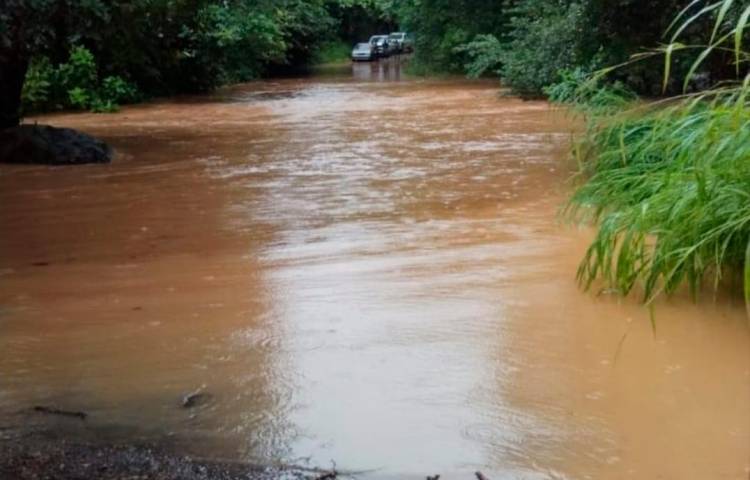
(36, 457)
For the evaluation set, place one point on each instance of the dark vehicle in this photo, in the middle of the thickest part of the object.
(363, 52)
(381, 46)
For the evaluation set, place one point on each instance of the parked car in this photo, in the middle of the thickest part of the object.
(397, 40)
(363, 52)
(381, 45)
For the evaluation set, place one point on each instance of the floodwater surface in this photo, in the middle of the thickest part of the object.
(359, 268)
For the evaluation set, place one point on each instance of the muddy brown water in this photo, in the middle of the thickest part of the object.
(357, 267)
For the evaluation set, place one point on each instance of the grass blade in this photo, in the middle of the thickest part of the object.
(720, 18)
(738, 32)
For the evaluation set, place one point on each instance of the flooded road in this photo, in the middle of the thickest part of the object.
(354, 267)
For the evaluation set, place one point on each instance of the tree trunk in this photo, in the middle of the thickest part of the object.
(12, 74)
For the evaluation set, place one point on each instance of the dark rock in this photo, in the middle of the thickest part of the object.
(45, 145)
(196, 399)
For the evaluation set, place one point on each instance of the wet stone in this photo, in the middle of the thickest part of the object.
(196, 399)
(45, 145)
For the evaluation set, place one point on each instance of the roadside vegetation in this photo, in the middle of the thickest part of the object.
(531, 44)
(668, 181)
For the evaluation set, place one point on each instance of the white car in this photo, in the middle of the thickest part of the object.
(403, 41)
(397, 40)
(363, 52)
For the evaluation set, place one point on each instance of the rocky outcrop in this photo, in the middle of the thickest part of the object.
(45, 145)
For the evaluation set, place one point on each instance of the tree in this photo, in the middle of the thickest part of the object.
(29, 27)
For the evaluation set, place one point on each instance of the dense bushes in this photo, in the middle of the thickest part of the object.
(529, 42)
(545, 38)
(485, 54)
(542, 39)
(74, 84)
(443, 27)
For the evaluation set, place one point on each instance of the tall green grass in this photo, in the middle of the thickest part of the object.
(668, 182)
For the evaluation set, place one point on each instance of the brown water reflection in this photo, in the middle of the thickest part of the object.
(359, 270)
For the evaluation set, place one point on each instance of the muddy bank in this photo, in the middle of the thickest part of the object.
(50, 456)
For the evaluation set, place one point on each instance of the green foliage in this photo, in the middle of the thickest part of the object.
(443, 27)
(546, 37)
(529, 42)
(37, 89)
(573, 84)
(80, 98)
(667, 183)
(485, 55)
(118, 90)
(78, 73)
(587, 91)
(669, 191)
(230, 44)
(74, 84)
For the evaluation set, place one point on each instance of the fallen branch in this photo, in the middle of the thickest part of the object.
(63, 413)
